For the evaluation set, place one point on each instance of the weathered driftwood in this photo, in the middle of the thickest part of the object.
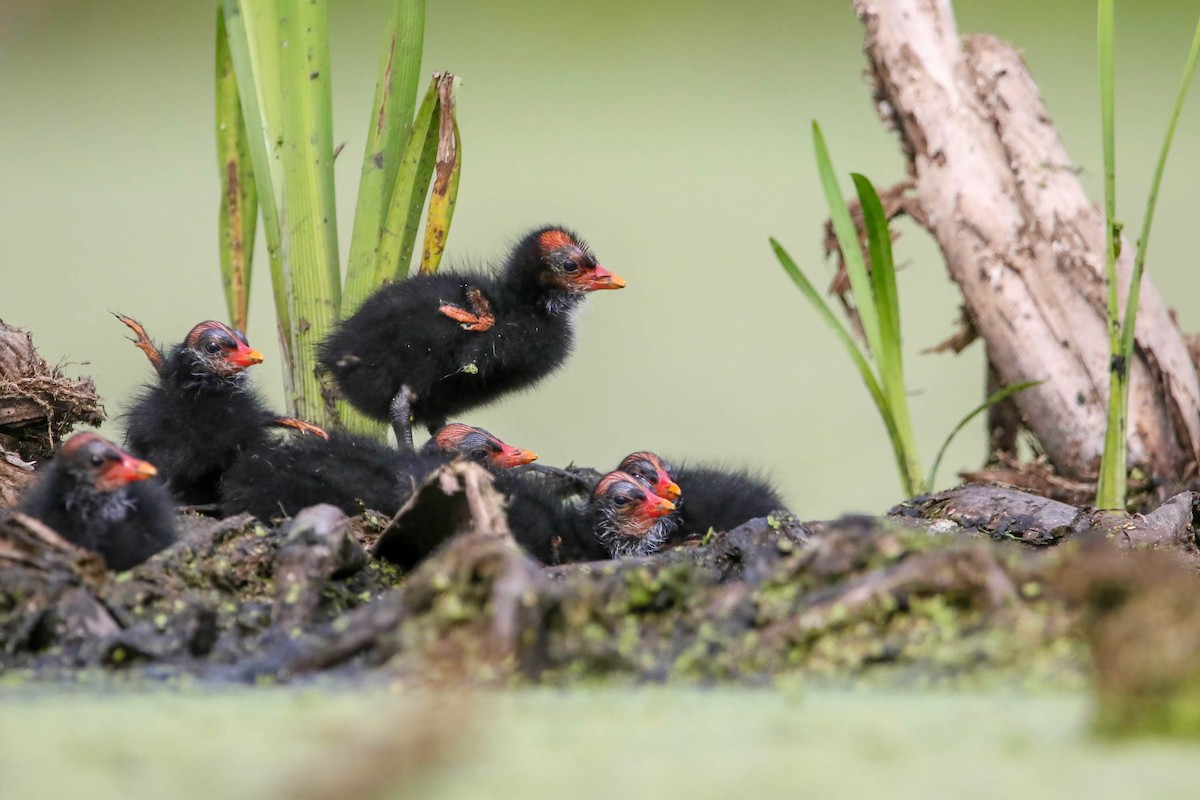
(30, 543)
(457, 498)
(994, 185)
(1011, 514)
(455, 509)
(318, 545)
(1037, 476)
(949, 573)
(46, 580)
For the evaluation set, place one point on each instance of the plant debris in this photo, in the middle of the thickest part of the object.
(38, 407)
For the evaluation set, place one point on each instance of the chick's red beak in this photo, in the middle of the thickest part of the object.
(667, 488)
(127, 470)
(510, 456)
(656, 506)
(244, 356)
(600, 278)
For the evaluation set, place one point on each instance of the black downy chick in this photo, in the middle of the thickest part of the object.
(433, 346)
(96, 495)
(712, 498)
(619, 519)
(352, 472)
(201, 413)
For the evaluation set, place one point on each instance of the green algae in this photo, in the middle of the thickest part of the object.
(663, 742)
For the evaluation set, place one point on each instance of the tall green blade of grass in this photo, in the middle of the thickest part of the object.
(993, 399)
(1110, 488)
(1113, 469)
(1139, 262)
(391, 121)
(399, 234)
(254, 47)
(887, 303)
(309, 218)
(447, 170)
(875, 300)
(238, 214)
(1111, 491)
(856, 355)
(843, 226)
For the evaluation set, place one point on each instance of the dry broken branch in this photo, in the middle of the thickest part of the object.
(1022, 240)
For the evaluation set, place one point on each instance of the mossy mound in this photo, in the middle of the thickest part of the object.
(938, 594)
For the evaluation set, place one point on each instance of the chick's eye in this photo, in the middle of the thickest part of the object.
(479, 454)
(570, 266)
(213, 347)
(621, 500)
(97, 459)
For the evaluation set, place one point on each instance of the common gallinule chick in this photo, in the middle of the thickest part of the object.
(352, 472)
(201, 413)
(620, 519)
(712, 498)
(652, 471)
(434, 346)
(97, 496)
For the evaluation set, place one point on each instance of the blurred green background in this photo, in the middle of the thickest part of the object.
(673, 135)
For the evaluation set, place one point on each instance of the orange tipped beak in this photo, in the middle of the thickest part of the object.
(244, 356)
(668, 489)
(515, 457)
(603, 279)
(128, 470)
(659, 506)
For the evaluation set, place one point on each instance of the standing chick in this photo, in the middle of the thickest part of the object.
(434, 346)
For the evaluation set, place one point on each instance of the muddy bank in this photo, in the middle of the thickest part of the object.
(972, 585)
